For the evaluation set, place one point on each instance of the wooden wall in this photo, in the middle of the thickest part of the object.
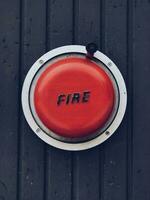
(119, 169)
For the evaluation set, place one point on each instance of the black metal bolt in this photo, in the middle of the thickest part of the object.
(91, 49)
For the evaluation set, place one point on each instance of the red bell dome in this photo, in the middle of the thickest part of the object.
(74, 97)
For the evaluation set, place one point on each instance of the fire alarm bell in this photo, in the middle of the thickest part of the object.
(74, 97)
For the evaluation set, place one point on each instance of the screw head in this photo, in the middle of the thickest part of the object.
(109, 64)
(38, 130)
(41, 61)
(107, 132)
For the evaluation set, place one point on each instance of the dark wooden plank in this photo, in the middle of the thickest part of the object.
(59, 165)
(130, 97)
(31, 157)
(115, 153)
(58, 173)
(60, 21)
(87, 22)
(87, 164)
(9, 51)
(87, 174)
(141, 97)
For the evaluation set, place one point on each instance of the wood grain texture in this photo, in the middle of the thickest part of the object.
(120, 167)
(9, 66)
(115, 149)
(141, 99)
(31, 149)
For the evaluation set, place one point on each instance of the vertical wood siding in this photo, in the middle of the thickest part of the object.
(119, 169)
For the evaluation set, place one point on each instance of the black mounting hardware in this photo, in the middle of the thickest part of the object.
(91, 49)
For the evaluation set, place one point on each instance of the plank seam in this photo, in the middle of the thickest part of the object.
(19, 164)
(130, 98)
(47, 45)
(102, 147)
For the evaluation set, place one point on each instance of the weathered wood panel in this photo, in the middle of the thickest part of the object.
(31, 149)
(117, 169)
(115, 150)
(141, 100)
(9, 97)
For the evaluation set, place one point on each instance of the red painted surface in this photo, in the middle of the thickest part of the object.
(65, 115)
